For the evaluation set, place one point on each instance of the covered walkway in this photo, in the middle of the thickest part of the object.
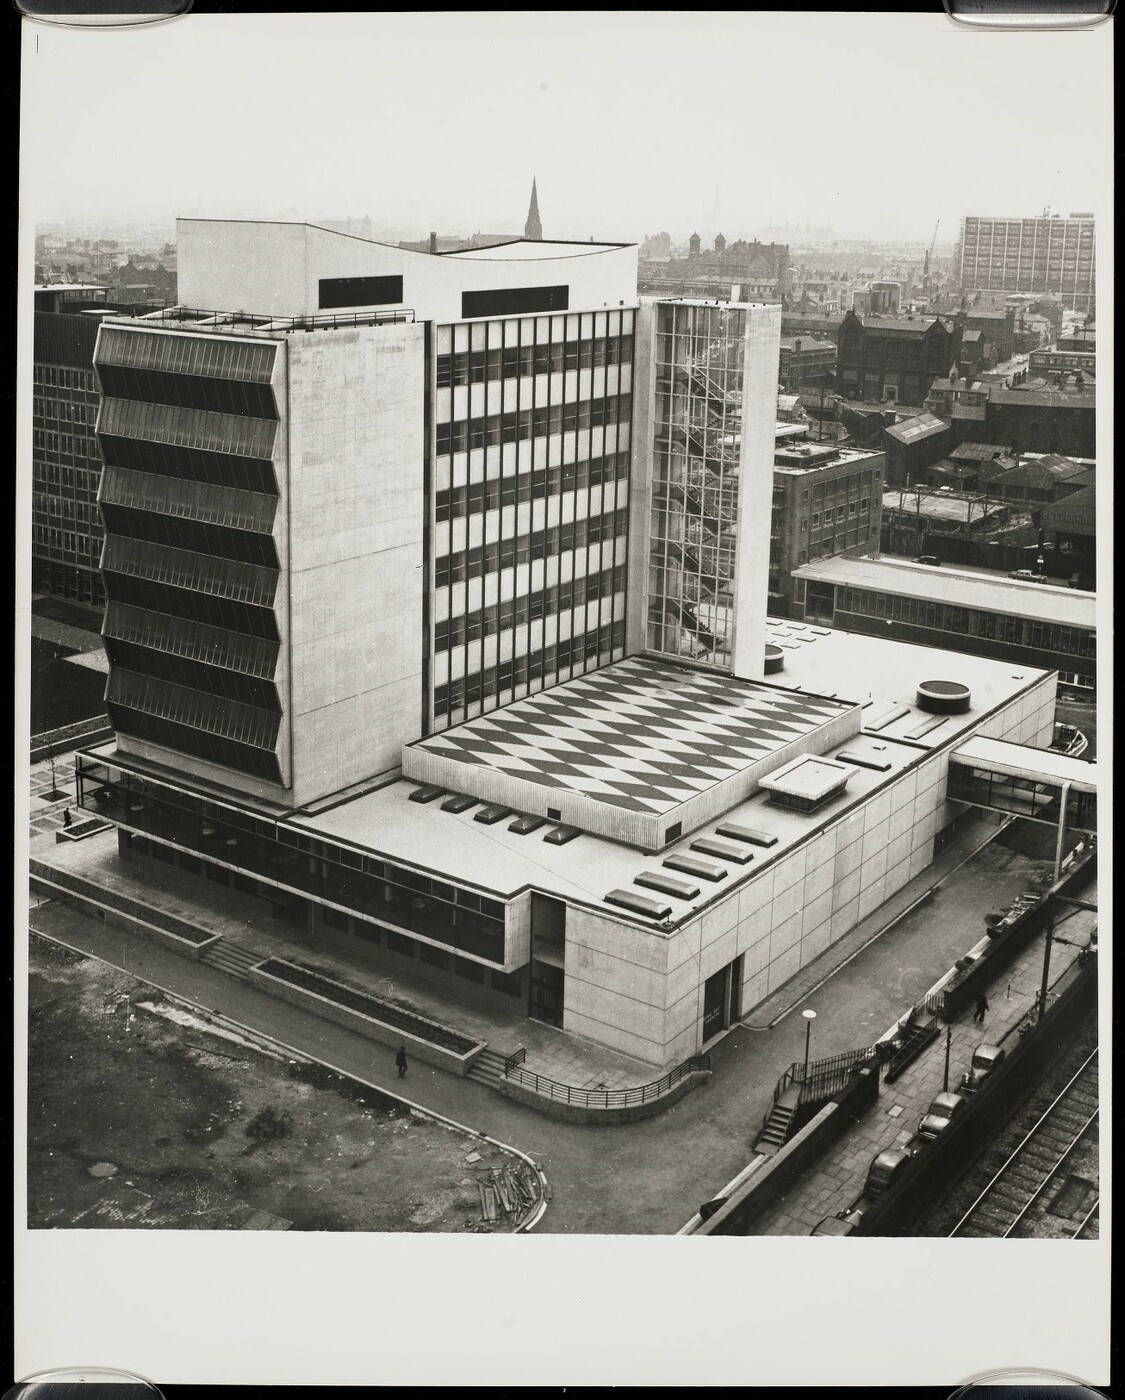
(1040, 784)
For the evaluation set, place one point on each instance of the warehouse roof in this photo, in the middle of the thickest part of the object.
(993, 592)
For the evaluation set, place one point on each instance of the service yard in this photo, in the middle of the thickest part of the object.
(142, 1114)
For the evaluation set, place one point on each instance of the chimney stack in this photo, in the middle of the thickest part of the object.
(433, 242)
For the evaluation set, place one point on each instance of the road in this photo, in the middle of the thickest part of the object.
(641, 1178)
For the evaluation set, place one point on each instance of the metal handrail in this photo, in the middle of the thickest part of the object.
(821, 1077)
(602, 1098)
(207, 319)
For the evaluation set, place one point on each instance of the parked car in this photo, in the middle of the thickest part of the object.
(845, 1223)
(884, 1169)
(927, 559)
(939, 1115)
(984, 1061)
(1027, 576)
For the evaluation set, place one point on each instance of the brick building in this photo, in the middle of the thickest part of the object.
(894, 358)
(825, 502)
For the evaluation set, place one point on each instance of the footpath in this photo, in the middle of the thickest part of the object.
(639, 1178)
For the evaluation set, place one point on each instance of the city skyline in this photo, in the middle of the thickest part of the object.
(358, 141)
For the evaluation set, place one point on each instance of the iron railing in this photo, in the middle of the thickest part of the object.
(203, 319)
(601, 1098)
(820, 1079)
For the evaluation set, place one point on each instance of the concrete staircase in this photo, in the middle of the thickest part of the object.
(487, 1068)
(229, 957)
(778, 1125)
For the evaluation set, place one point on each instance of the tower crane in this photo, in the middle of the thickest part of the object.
(929, 255)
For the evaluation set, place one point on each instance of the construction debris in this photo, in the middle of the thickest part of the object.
(508, 1192)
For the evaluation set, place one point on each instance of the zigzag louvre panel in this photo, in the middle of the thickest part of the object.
(216, 468)
(227, 719)
(195, 536)
(204, 573)
(210, 356)
(188, 427)
(197, 641)
(225, 613)
(194, 675)
(188, 391)
(192, 500)
(259, 763)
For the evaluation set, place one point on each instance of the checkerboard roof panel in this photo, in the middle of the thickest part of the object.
(640, 735)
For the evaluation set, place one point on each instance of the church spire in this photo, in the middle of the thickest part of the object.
(533, 228)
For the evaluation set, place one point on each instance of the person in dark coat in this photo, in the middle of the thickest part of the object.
(400, 1060)
(982, 1007)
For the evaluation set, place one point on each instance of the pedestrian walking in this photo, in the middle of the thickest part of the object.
(982, 1007)
(66, 817)
(400, 1060)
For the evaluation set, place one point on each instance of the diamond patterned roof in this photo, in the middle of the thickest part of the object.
(640, 735)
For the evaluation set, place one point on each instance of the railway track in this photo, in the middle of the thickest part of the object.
(1088, 1230)
(1005, 1204)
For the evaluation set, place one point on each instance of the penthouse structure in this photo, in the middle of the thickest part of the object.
(437, 619)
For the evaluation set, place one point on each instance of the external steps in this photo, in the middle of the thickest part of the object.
(230, 957)
(487, 1068)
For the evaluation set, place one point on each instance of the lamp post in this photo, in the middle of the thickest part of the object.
(948, 1044)
(810, 1017)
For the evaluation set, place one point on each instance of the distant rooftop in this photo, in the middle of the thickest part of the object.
(977, 452)
(1045, 396)
(993, 592)
(909, 325)
(800, 459)
(937, 506)
(790, 342)
(916, 429)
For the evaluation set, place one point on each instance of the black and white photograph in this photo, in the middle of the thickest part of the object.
(559, 574)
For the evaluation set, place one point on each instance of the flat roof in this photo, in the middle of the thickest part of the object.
(802, 460)
(492, 858)
(941, 507)
(1046, 396)
(586, 869)
(641, 737)
(1037, 601)
(1021, 761)
(882, 675)
(72, 287)
(529, 250)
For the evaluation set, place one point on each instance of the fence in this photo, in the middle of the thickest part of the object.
(601, 1098)
(202, 319)
(822, 1079)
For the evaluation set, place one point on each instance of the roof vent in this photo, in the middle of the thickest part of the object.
(944, 697)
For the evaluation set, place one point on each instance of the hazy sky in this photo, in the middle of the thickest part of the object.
(877, 125)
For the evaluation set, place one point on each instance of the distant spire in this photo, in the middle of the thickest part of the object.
(533, 228)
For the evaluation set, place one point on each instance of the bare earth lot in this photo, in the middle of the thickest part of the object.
(121, 1075)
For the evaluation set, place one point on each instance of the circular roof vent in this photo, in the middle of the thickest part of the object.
(775, 660)
(944, 697)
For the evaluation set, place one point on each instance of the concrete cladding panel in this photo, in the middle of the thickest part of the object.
(355, 579)
(616, 985)
(755, 489)
(276, 269)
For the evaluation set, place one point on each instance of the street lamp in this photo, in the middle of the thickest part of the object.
(810, 1017)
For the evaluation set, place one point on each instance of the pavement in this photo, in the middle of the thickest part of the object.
(639, 1178)
(837, 1179)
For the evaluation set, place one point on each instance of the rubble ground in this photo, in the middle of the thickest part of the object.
(127, 1081)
